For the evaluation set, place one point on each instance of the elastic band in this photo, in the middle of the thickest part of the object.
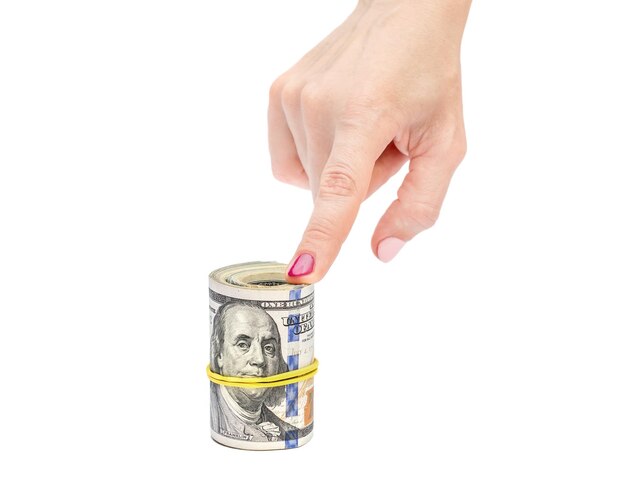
(285, 378)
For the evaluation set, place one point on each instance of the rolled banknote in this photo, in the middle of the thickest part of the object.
(262, 359)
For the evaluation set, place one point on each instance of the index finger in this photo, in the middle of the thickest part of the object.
(343, 186)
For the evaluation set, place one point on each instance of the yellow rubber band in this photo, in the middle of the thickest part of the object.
(285, 378)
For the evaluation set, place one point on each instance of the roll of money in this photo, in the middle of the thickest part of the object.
(262, 359)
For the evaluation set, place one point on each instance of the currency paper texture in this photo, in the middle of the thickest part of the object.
(260, 326)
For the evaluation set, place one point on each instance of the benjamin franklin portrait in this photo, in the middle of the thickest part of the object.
(245, 342)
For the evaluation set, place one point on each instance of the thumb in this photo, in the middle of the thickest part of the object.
(419, 201)
(343, 186)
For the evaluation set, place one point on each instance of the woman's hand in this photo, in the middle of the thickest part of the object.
(383, 88)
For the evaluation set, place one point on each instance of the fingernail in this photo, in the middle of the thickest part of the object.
(302, 266)
(388, 248)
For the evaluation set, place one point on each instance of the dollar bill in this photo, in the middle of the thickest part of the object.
(260, 326)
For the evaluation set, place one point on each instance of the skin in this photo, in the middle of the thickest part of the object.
(384, 88)
(250, 349)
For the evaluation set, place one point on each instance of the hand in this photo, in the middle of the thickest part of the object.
(383, 88)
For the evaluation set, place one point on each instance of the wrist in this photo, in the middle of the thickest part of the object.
(440, 19)
(452, 11)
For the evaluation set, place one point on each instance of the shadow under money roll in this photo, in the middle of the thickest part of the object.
(262, 362)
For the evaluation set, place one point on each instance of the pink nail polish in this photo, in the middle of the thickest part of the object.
(302, 266)
(388, 248)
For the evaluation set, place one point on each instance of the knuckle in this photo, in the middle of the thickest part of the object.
(290, 96)
(338, 181)
(355, 119)
(276, 88)
(460, 149)
(281, 176)
(363, 121)
(284, 175)
(368, 110)
(361, 104)
(311, 96)
(454, 143)
(321, 230)
(452, 140)
(423, 214)
(314, 104)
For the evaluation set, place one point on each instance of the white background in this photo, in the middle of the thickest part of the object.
(134, 161)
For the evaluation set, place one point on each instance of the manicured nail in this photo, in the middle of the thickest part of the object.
(388, 248)
(302, 266)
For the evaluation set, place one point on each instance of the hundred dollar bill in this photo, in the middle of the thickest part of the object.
(260, 326)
